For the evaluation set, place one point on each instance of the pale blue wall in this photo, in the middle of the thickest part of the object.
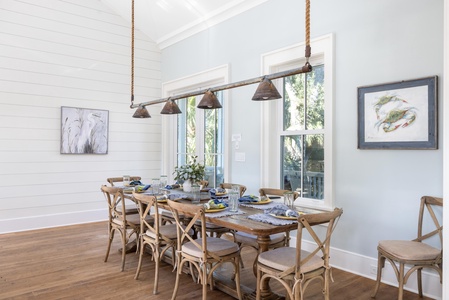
(375, 42)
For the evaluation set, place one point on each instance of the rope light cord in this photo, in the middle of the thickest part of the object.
(304, 69)
(308, 48)
(132, 54)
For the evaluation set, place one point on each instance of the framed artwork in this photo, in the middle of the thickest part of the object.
(398, 115)
(84, 130)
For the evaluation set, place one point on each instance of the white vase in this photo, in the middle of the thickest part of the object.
(187, 186)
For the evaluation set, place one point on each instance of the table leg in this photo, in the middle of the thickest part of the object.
(265, 291)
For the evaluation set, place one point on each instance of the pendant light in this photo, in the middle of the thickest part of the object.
(170, 108)
(209, 101)
(266, 91)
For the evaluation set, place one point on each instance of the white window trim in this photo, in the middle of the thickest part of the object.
(202, 80)
(322, 51)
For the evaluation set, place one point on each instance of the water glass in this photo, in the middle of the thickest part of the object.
(236, 188)
(163, 181)
(233, 201)
(196, 194)
(155, 185)
(289, 198)
(126, 180)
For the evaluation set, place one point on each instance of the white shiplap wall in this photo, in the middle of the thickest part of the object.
(75, 53)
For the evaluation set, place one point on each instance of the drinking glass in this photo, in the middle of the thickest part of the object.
(155, 184)
(163, 181)
(233, 201)
(236, 188)
(196, 195)
(126, 180)
(289, 198)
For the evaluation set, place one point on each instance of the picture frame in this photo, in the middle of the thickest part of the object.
(398, 115)
(84, 130)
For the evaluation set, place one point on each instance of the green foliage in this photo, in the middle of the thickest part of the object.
(193, 171)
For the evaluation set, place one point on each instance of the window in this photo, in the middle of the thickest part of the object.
(297, 138)
(196, 132)
(200, 133)
(302, 134)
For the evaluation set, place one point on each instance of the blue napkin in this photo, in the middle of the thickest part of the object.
(172, 186)
(249, 198)
(214, 192)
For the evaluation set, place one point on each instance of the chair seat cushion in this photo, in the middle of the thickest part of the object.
(220, 247)
(409, 250)
(251, 240)
(169, 215)
(283, 258)
(168, 231)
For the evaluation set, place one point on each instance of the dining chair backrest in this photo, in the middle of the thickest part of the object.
(113, 180)
(226, 185)
(275, 192)
(321, 244)
(145, 205)
(116, 204)
(429, 203)
(196, 213)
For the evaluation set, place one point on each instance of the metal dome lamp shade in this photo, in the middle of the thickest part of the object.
(266, 91)
(209, 101)
(170, 108)
(141, 112)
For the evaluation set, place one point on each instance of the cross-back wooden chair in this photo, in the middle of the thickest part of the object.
(205, 254)
(415, 253)
(276, 240)
(295, 268)
(159, 238)
(113, 180)
(226, 185)
(119, 220)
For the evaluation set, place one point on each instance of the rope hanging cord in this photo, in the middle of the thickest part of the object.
(304, 69)
(132, 54)
(308, 48)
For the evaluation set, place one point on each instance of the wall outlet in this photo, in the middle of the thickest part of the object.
(373, 269)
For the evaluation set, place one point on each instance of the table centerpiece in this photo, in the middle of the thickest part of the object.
(189, 174)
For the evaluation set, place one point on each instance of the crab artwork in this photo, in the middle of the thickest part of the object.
(392, 113)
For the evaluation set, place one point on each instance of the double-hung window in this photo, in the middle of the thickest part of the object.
(297, 138)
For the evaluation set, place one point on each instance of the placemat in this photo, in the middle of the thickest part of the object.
(224, 213)
(264, 218)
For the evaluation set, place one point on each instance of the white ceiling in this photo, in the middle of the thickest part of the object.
(169, 21)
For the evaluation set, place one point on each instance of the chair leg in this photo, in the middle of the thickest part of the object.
(258, 283)
(111, 237)
(156, 269)
(123, 234)
(204, 280)
(419, 277)
(380, 265)
(178, 273)
(142, 247)
(401, 281)
(237, 277)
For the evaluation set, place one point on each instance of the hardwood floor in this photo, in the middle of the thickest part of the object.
(67, 263)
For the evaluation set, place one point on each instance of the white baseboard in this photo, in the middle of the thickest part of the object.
(362, 265)
(56, 220)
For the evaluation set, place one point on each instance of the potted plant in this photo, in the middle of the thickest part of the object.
(189, 173)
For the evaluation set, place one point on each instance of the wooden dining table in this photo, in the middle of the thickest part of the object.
(240, 222)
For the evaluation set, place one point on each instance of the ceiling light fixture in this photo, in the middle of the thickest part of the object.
(209, 101)
(141, 112)
(170, 108)
(265, 91)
